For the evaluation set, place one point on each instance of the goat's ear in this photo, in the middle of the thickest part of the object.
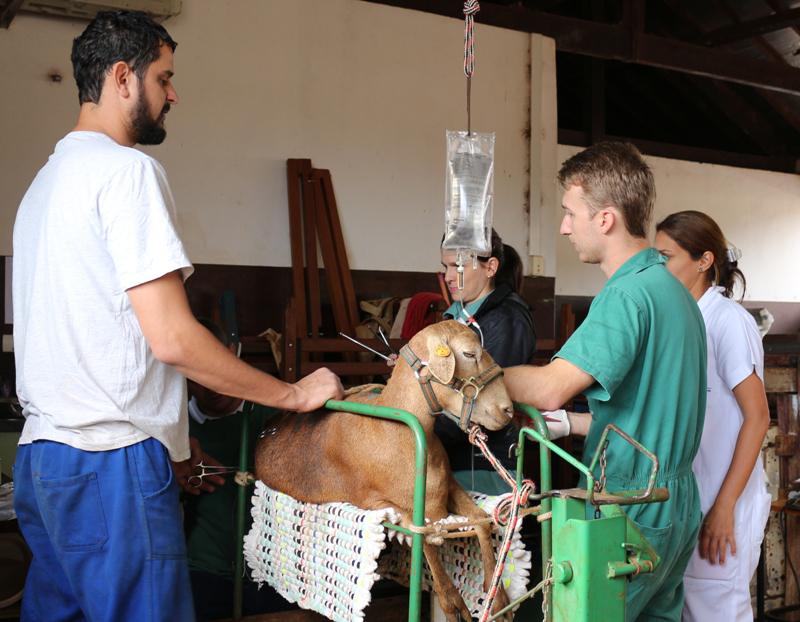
(441, 360)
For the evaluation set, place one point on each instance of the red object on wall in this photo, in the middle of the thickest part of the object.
(422, 311)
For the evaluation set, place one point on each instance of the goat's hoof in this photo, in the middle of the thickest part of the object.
(453, 606)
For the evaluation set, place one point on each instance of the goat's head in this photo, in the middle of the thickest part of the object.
(460, 369)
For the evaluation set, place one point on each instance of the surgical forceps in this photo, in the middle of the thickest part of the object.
(203, 470)
(385, 340)
(365, 346)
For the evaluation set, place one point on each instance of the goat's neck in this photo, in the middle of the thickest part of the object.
(403, 391)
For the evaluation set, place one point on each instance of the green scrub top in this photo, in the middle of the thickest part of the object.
(644, 343)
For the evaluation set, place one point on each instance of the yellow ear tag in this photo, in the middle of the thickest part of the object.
(442, 350)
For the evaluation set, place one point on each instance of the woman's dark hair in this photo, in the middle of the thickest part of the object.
(510, 269)
(113, 36)
(696, 233)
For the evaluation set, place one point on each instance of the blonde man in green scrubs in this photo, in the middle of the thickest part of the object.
(639, 358)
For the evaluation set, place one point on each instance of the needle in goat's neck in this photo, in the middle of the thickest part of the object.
(386, 340)
(365, 346)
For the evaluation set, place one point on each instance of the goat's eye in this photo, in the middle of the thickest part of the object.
(469, 355)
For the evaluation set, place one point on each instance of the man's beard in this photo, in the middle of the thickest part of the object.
(148, 131)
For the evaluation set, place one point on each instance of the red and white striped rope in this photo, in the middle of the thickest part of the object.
(470, 8)
(505, 513)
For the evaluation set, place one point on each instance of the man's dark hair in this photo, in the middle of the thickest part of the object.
(614, 173)
(113, 36)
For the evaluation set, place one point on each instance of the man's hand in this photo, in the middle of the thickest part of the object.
(717, 533)
(186, 469)
(557, 423)
(316, 389)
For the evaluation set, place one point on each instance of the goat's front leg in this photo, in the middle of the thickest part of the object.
(462, 504)
(449, 598)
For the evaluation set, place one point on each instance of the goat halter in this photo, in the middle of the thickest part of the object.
(467, 388)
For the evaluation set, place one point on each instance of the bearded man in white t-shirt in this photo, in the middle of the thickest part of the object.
(103, 338)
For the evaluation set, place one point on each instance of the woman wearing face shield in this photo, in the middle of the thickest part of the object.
(729, 471)
(491, 305)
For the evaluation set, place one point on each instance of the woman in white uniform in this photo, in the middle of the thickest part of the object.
(729, 470)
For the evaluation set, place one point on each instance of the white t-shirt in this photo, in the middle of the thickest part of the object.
(734, 352)
(96, 221)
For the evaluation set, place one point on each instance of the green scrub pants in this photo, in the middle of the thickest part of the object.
(671, 528)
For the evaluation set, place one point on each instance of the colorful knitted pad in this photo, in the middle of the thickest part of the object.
(325, 557)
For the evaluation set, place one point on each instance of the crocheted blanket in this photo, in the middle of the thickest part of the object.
(326, 557)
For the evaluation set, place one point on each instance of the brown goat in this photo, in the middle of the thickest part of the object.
(335, 456)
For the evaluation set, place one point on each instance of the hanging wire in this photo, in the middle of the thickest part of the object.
(470, 8)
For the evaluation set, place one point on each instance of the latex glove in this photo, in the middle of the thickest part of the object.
(557, 423)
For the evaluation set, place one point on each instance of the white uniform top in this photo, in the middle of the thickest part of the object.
(734, 352)
(720, 592)
(96, 221)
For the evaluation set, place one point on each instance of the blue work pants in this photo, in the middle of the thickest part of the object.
(106, 534)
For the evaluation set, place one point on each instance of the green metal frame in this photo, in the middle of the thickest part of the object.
(417, 517)
(588, 556)
(591, 559)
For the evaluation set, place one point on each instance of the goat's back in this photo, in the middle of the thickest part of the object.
(327, 456)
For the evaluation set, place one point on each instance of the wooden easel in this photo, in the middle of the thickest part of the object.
(315, 230)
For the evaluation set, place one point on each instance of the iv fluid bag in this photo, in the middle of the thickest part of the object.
(469, 192)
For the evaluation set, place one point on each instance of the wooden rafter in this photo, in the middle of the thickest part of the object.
(786, 164)
(762, 43)
(702, 100)
(541, 5)
(759, 26)
(775, 100)
(779, 6)
(617, 42)
(740, 112)
(8, 13)
(596, 103)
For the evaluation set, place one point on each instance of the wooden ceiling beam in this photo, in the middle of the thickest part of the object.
(779, 6)
(775, 100)
(760, 40)
(616, 42)
(8, 13)
(786, 164)
(741, 113)
(760, 26)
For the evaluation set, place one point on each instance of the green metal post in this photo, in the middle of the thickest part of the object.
(589, 549)
(241, 512)
(545, 476)
(418, 515)
(541, 435)
(420, 467)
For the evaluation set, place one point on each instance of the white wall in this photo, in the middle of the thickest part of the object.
(758, 211)
(365, 90)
